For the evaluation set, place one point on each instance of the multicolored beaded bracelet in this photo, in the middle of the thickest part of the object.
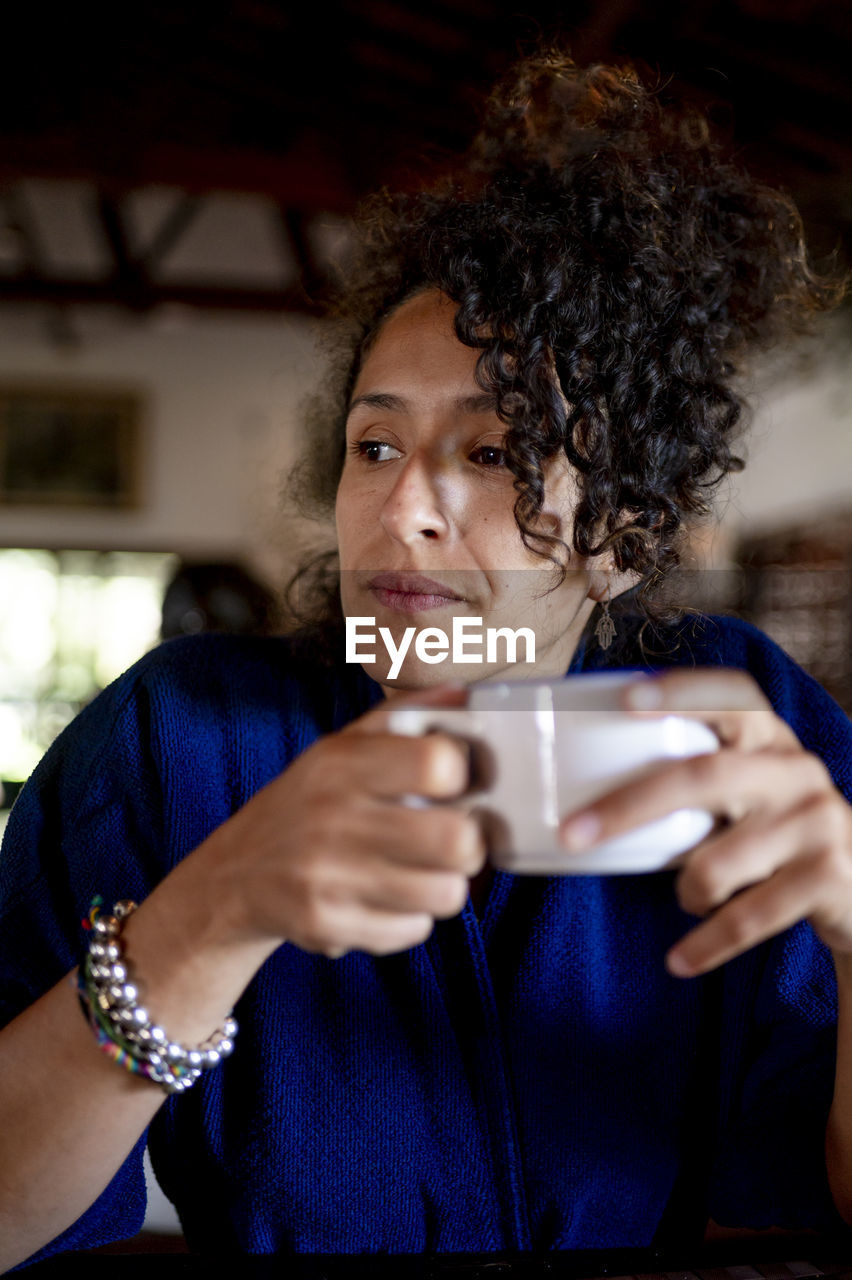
(123, 1029)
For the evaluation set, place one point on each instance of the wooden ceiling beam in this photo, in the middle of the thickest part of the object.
(203, 297)
(173, 227)
(294, 225)
(309, 177)
(130, 282)
(19, 220)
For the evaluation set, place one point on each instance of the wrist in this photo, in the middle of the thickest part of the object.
(191, 962)
(120, 1021)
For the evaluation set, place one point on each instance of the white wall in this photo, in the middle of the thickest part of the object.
(221, 401)
(800, 450)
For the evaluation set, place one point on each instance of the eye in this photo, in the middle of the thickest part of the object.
(375, 450)
(489, 455)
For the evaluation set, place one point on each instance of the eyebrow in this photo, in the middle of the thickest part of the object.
(482, 402)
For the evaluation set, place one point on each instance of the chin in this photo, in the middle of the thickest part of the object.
(415, 675)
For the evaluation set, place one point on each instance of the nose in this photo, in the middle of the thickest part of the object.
(415, 508)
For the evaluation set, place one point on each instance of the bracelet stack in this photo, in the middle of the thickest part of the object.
(122, 1026)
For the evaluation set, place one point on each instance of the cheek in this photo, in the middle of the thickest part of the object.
(339, 527)
(345, 508)
(561, 496)
(355, 522)
(498, 540)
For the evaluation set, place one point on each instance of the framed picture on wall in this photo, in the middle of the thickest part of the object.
(69, 446)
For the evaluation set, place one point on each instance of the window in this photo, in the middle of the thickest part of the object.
(70, 622)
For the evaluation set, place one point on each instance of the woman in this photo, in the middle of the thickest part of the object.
(537, 396)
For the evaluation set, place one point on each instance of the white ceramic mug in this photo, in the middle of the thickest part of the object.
(541, 750)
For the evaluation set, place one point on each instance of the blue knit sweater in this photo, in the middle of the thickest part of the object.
(529, 1079)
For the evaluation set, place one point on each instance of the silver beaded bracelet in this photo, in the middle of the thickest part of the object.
(122, 1025)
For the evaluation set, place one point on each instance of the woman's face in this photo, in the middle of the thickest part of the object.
(424, 512)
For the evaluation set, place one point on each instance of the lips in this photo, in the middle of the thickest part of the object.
(412, 592)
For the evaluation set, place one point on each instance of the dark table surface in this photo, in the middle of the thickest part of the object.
(762, 1258)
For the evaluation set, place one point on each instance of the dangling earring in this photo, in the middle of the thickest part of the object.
(605, 627)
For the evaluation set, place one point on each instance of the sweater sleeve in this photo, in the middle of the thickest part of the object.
(85, 824)
(134, 784)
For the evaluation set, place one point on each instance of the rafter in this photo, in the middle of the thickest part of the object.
(20, 220)
(313, 106)
(172, 229)
(130, 279)
(67, 291)
(295, 228)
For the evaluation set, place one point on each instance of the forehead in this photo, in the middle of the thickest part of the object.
(417, 341)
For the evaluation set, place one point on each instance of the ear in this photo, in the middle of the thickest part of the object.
(557, 519)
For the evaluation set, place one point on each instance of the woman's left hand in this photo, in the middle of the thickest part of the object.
(783, 849)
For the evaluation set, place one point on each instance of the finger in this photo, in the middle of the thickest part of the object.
(358, 928)
(432, 839)
(386, 933)
(727, 783)
(755, 849)
(790, 895)
(390, 765)
(729, 701)
(412, 890)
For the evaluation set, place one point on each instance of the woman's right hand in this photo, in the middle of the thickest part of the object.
(329, 856)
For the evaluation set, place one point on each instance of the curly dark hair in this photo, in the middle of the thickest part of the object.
(612, 268)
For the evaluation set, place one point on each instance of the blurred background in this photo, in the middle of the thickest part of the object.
(175, 186)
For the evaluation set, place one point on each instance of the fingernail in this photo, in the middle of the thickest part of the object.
(580, 832)
(678, 965)
(644, 696)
